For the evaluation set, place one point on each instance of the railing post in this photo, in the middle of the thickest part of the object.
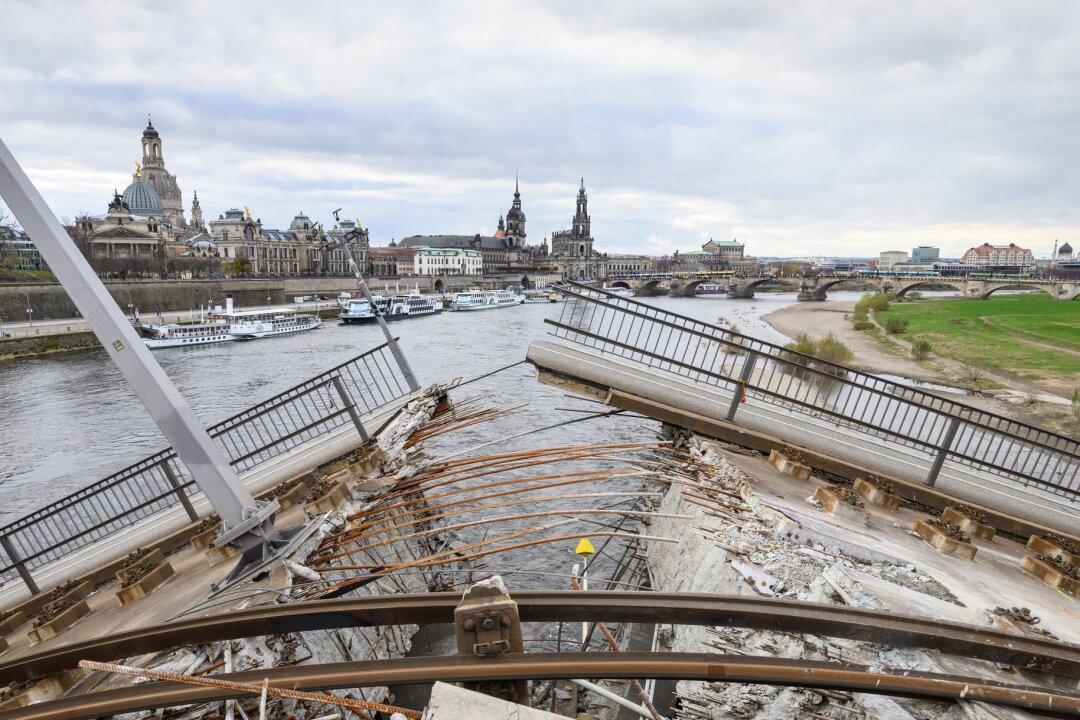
(20, 566)
(943, 452)
(744, 376)
(180, 494)
(347, 400)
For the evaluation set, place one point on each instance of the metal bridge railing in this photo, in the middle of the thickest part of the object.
(802, 384)
(305, 412)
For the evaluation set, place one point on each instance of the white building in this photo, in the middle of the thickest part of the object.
(891, 257)
(447, 261)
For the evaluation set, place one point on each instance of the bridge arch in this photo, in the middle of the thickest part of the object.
(689, 289)
(439, 286)
(923, 283)
(1014, 286)
(622, 284)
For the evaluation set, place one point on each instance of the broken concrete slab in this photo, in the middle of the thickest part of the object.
(454, 703)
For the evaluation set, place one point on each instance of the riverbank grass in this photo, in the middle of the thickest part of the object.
(1033, 335)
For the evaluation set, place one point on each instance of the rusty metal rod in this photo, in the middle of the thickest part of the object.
(759, 613)
(245, 688)
(541, 666)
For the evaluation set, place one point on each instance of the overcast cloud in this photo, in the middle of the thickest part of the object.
(799, 128)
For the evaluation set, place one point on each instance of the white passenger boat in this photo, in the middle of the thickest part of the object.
(620, 291)
(485, 300)
(229, 324)
(182, 335)
(542, 296)
(394, 307)
(709, 288)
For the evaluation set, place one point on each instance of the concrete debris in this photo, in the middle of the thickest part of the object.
(722, 554)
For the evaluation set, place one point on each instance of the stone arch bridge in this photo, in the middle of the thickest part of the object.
(816, 288)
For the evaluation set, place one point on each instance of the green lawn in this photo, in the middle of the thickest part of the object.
(1018, 333)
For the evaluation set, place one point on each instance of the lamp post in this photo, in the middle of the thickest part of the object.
(130, 303)
(29, 310)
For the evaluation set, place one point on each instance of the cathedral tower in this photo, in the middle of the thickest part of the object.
(155, 175)
(196, 213)
(582, 225)
(515, 221)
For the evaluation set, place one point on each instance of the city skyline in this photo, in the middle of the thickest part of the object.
(820, 130)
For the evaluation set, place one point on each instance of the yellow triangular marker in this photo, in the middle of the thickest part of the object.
(585, 548)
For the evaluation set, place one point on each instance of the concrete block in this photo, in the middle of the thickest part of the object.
(12, 622)
(328, 502)
(203, 540)
(215, 555)
(788, 466)
(141, 588)
(294, 496)
(1054, 547)
(154, 557)
(874, 495)
(939, 539)
(454, 703)
(1050, 574)
(59, 623)
(967, 523)
(53, 687)
(836, 505)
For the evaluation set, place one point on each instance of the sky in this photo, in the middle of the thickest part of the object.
(799, 128)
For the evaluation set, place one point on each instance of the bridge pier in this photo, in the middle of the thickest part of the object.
(740, 293)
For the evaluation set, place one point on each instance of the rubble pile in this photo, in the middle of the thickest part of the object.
(761, 550)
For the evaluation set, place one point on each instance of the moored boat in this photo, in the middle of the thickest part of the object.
(485, 299)
(395, 307)
(229, 324)
(708, 288)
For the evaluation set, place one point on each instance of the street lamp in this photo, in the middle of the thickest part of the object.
(29, 310)
(130, 303)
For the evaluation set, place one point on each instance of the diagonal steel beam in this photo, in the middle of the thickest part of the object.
(247, 523)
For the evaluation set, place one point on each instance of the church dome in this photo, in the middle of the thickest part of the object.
(300, 222)
(1065, 249)
(515, 214)
(142, 199)
(150, 131)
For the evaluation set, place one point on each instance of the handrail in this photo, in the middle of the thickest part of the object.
(332, 399)
(742, 341)
(705, 353)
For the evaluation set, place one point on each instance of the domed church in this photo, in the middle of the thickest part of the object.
(147, 220)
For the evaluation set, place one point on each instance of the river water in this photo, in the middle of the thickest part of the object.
(69, 420)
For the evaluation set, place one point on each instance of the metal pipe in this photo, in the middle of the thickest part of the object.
(617, 699)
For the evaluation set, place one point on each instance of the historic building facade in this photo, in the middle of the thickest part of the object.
(714, 255)
(572, 250)
(448, 261)
(1006, 255)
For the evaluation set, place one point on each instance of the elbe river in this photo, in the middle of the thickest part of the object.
(71, 419)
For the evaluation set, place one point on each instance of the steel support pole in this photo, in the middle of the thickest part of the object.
(395, 349)
(744, 377)
(939, 461)
(350, 406)
(20, 566)
(207, 464)
(180, 494)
